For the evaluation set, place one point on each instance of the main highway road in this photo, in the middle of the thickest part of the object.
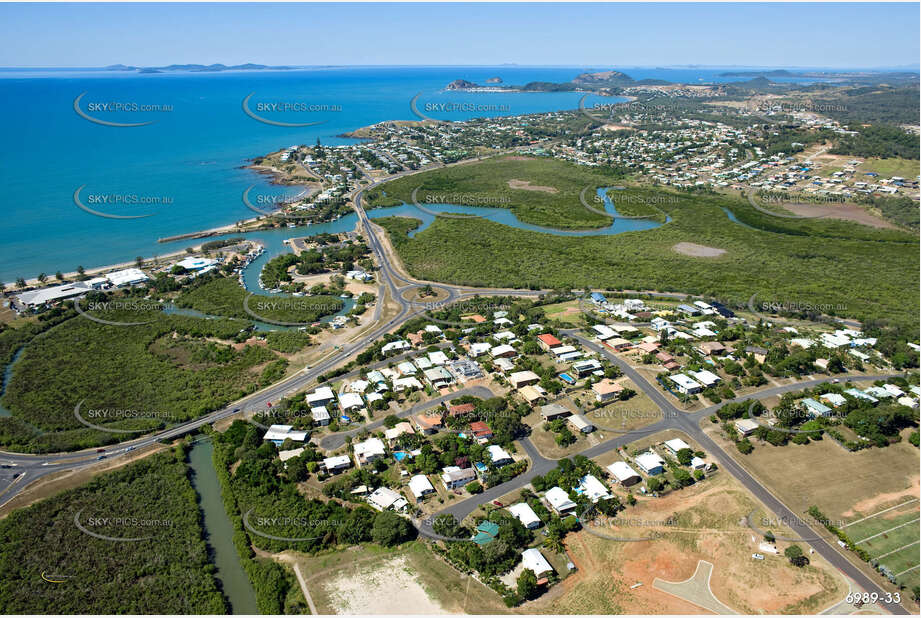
(20, 470)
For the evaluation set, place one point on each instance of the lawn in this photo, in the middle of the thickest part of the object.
(891, 536)
(887, 168)
(541, 191)
(853, 270)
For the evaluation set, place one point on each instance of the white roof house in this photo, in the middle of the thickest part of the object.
(395, 347)
(196, 263)
(707, 378)
(320, 414)
(834, 399)
(280, 433)
(525, 515)
(409, 382)
(384, 498)
(603, 332)
(505, 335)
(534, 561)
(321, 396)
(350, 401)
(407, 368)
(559, 500)
(624, 474)
(479, 349)
(746, 426)
(498, 455)
(698, 464)
(438, 358)
(369, 450)
(337, 462)
(685, 384)
(502, 350)
(419, 485)
(650, 463)
(593, 489)
(675, 445)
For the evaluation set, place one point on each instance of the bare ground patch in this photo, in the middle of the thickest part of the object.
(845, 212)
(388, 587)
(526, 185)
(695, 250)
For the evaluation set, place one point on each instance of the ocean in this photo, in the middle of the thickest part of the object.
(186, 168)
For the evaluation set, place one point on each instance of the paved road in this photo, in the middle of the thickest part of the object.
(689, 423)
(29, 468)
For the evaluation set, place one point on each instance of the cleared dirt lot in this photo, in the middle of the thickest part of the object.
(707, 526)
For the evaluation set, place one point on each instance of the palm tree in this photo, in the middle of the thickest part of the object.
(59, 276)
(139, 261)
(42, 277)
(20, 282)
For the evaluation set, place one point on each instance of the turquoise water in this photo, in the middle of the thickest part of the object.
(191, 158)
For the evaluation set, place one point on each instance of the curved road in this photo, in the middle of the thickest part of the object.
(29, 468)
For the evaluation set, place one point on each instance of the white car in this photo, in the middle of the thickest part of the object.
(758, 556)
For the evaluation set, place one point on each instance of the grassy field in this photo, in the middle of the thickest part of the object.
(853, 270)
(541, 191)
(96, 576)
(890, 535)
(886, 168)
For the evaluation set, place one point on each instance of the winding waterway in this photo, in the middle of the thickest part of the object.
(219, 532)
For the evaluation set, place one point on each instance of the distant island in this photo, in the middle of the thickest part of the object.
(197, 68)
(602, 80)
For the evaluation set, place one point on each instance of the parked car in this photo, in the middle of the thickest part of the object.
(758, 556)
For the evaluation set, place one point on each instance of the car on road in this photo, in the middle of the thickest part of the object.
(100, 457)
(100, 450)
(130, 448)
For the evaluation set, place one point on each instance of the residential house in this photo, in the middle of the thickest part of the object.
(368, 451)
(607, 390)
(523, 378)
(650, 463)
(420, 486)
(624, 474)
(559, 500)
(553, 411)
(453, 477)
(525, 515)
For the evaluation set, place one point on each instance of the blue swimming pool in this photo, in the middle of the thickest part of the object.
(565, 377)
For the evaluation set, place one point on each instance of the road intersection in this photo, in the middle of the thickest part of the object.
(30, 468)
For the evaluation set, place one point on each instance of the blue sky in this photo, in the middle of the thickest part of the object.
(817, 35)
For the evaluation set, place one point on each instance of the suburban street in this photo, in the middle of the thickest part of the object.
(30, 468)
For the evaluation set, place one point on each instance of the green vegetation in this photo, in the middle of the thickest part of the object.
(287, 341)
(489, 183)
(256, 484)
(138, 378)
(871, 104)
(223, 296)
(97, 576)
(879, 141)
(320, 260)
(853, 270)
